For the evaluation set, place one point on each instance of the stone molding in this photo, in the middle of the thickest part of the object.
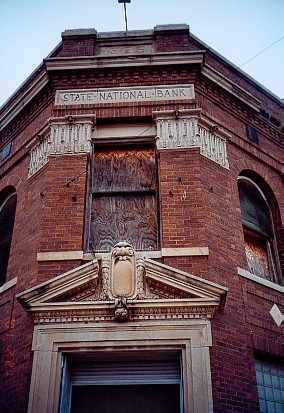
(183, 129)
(80, 255)
(68, 135)
(192, 338)
(79, 311)
(71, 135)
(213, 147)
(8, 284)
(101, 289)
(60, 256)
(184, 252)
(259, 280)
(177, 129)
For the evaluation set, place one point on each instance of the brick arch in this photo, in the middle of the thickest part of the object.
(245, 164)
(12, 180)
(6, 192)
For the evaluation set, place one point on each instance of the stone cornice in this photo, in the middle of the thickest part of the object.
(58, 285)
(228, 101)
(167, 309)
(226, 84)
(122, 60)
(14, 108)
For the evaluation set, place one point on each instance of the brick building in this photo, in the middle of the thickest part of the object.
(141, 231)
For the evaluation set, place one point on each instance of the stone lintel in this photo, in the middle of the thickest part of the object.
(80, 255)
(60, 256)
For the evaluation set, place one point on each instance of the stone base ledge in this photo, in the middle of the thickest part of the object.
(164, 252)
(259, 280)
(60, 256)
(8, 284)
(184, 252)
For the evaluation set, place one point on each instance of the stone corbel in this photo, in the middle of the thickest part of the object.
(177, 128)
(184, 128)
(71, 134)
(213, 142)
(66, 135)
(121, 311)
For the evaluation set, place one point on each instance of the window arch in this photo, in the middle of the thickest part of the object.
(258, 228)
(8, 202)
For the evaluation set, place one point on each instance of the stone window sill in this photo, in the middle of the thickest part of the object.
(8, 284)
(259, 280)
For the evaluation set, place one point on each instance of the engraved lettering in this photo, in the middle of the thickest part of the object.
(121, 94)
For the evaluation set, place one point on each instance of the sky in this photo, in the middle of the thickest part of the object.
(242, 31)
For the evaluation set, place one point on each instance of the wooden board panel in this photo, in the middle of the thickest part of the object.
(124, 206)
(124, 170)
(124, 218)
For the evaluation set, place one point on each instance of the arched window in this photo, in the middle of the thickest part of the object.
(260, 245)
(8, 202)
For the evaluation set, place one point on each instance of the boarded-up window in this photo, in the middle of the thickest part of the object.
(124, 204)
(7, 217)
(258, 231)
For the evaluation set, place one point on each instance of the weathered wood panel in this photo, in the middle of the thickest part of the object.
(124, 170)
(124, 218)
(124, 206)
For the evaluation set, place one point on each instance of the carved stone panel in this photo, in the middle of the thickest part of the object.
(68, 135)
(181, 129)
(123, 274)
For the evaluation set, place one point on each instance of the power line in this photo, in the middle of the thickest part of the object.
(268, 47)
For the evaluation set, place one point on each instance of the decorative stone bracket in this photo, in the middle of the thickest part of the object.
(184, 129)
(68, 135)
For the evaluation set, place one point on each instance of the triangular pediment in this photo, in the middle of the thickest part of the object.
(90, 290)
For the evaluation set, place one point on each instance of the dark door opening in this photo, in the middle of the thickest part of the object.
(150, 398)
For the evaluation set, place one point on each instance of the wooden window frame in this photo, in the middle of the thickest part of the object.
(251, 230)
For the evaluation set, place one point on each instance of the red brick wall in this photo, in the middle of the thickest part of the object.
(199, 207)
